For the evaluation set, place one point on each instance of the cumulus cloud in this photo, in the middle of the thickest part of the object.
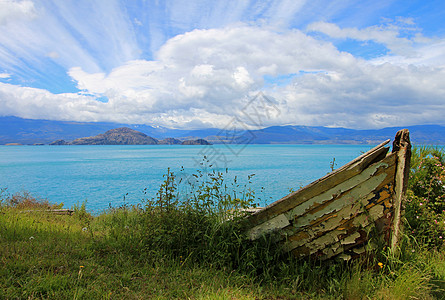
(213, 70)
(11, 10)
(40, 104)
(204, 78)
(371, 96)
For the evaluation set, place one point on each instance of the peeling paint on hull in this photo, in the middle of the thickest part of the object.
(334, 215)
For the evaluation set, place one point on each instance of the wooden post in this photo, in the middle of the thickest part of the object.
(401, 146)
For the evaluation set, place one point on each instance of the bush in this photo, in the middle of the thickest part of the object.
(425, 205)
(25, 201)
(190, 227)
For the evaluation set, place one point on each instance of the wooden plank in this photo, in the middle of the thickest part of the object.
(273, 224)
(305, 213)
(61, 211)
(319, 186)
(339, 219)
(333, 215)
(361, 184)
(345, 219)
(332, 243)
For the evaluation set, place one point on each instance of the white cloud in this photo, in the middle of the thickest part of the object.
(94, 35)
(53, 55)
(11, 10)
(210, 69)
(401, 37)
(426, 54)
(371, 96)
(5, 75)
(385, 35)
(204, 77)
(40, 104)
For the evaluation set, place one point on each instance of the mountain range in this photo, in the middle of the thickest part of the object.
(28, 131)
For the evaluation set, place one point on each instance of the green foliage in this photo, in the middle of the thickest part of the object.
(192, 227)
(188, 242)
(425, 205)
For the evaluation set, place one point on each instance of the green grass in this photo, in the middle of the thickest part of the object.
(45, 256)
(54, 257)
(191, 246)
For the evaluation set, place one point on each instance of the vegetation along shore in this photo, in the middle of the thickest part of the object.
(187, 242)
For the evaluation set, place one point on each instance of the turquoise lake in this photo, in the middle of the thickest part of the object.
(114, 175)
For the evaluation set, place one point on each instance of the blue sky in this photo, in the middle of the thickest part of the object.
(196, 64)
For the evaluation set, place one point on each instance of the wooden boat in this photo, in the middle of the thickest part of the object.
(335, 215)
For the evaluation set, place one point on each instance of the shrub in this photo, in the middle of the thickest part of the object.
(24, 201)
(425, 205)
(194, 226)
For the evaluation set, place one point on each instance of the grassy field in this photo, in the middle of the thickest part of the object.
(182, 246)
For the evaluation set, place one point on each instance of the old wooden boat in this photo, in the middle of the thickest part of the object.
(337, 215)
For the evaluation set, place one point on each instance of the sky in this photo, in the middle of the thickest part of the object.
(199, 64)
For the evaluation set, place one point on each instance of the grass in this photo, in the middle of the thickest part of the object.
(45, 256)
(182, 246)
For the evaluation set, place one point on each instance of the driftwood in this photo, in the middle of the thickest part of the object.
(61, 211)
(333, 216)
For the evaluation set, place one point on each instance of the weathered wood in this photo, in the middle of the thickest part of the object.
(333, 215)
(299, 213)
(344, 219)
(317, 187)
(61, 211)
(401, 146)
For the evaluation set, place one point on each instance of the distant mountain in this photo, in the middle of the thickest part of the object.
(117, 136)
(26, 131)
(170, 141)
(422, 134)
(127, 136)
(195, 142)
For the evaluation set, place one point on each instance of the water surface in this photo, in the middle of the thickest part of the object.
(104, 175)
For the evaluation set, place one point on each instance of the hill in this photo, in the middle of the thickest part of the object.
(127, 136)
(26, 131)
(117, 136)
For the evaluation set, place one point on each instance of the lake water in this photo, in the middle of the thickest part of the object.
(104, 175)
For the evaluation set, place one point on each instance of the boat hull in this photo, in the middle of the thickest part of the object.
(337, 215)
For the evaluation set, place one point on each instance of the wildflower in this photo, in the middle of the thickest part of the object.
(413, 251)
(31, 238)
(84, 229)
(126, 227)
(440, 237)
(420, 203)
(380, 265)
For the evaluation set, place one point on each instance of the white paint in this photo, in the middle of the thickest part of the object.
(278, 222)
(336, 190)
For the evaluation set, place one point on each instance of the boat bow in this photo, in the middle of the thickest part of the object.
(337, 214)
